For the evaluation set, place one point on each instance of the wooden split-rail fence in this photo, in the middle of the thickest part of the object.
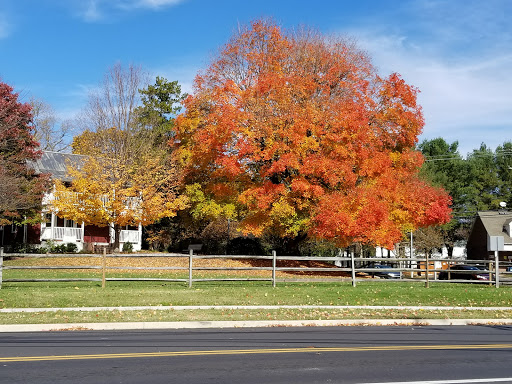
(354, 269)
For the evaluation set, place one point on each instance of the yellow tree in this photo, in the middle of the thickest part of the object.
(116, 184)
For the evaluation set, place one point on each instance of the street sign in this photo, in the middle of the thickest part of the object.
(495, 243)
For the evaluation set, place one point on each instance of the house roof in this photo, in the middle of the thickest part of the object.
(55, 164)
(494, 222)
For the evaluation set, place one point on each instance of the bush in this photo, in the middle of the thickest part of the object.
(71, 248)
(51, 247)
(128, 247)
(60, 248)
(27, 248)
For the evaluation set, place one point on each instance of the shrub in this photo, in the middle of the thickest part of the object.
(71, 248)
(26, 248)
(60, 248)
(128, 247)
(52, 247)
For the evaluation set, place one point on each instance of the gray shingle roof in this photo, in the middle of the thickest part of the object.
(494, 221)
(55, 164)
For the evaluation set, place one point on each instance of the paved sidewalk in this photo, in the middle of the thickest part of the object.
(245, 324)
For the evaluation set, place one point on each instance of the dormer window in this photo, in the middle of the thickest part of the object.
(507, 227)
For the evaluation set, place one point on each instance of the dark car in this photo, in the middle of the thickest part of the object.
(464, 272)
(385, 274)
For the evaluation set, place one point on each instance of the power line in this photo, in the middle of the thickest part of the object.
(472, 155)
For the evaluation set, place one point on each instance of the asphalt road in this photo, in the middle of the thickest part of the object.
(261, 355)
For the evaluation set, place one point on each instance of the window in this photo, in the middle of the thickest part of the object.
(60, 221)
(48, 220)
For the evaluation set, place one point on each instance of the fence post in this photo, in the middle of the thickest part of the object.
(497, 269)
(190, 257)
(426, 271)
(103, 268)
(353, 266)
(1, 264)
(490, 272)
(274, 263)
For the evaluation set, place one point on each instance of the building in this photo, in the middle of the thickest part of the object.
(58, 229)
(489, 225)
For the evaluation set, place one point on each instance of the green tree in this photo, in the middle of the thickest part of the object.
(161, 103)
(504, 163)
(484, 180)
(445, 167)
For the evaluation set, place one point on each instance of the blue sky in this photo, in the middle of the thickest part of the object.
(457, 52)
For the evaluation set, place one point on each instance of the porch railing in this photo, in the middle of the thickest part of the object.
(129, 236)
(59, 233)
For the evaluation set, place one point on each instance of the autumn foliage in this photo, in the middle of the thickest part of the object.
(21, 189)
(117, 182)
(298, 133)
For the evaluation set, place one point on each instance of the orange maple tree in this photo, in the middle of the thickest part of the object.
(299, 133)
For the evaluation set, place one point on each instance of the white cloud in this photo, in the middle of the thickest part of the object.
(464, 99)
(5, 27)
(91, 12)
(460, 61)
(155, 3)
(97, 10)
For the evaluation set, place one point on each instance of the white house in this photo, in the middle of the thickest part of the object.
(61, 230)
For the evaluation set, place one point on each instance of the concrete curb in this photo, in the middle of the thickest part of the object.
(245, 324)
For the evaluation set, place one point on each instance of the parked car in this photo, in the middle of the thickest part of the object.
(464, 272)
(384, 274)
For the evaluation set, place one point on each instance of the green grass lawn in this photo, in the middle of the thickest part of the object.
(89, 294)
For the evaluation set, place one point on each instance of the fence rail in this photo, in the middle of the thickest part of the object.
(354, 269)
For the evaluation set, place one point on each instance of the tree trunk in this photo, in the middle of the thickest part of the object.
(117, 232)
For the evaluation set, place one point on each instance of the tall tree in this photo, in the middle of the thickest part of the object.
(445, 167)
(161, 103)
(113, 103)
(503, 156)
(49, 132)
(22, 190)
(484, 179)
(301, 135)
